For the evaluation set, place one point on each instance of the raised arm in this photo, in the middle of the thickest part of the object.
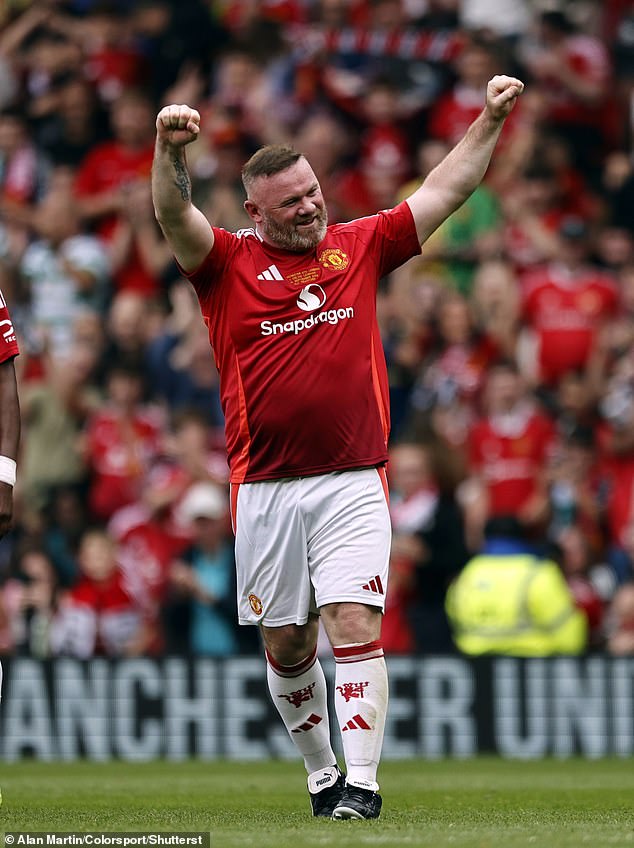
(461, 171)
(186, 229)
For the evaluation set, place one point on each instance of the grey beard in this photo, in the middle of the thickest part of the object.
(288, 238)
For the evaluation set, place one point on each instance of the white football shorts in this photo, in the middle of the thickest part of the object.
(305, 542)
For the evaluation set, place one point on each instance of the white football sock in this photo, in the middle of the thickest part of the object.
(361, 694)
(299, 694)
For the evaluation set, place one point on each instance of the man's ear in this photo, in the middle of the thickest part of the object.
(252, 211)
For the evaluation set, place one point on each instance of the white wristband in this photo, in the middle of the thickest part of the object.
(7, 470)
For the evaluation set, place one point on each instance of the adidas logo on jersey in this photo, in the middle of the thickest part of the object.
(271, 273)
(375, 586)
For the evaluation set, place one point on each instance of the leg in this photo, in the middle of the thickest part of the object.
(361, 694)
(298, 689)
(274, 590)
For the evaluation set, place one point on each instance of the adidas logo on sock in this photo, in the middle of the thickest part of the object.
(356, 723)
(271, 273)
(312, 720)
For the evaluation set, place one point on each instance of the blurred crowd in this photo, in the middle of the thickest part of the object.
(509, 341)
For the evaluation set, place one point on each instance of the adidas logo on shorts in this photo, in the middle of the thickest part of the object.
(375, 585)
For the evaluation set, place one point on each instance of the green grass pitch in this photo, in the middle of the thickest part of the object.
(479, 803)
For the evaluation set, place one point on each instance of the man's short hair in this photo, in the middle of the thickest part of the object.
(267, 161)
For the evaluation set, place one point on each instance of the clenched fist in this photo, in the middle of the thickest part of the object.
(502, 92)
(177, 125)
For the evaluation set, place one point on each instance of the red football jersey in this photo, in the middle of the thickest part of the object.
(8, 341)
(510, 462)
(303, 380)
(566, 313)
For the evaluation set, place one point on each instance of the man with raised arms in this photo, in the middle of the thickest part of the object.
(290, 306)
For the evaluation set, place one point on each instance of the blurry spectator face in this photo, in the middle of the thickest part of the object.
(573, 394)
(209, 532)
(540, 189)
(152, 18)
(454, 321)
(289, 208)
(322, 140)
(88, 330)
(12, 134)
(97, 556)
(52, 55)
(67, 509)
(205, 506)
(76, 103)
(379, 104)
(383, 170)
(409, 469)
(236, 76)
(75, 369)
(503, 391)
(190, 437)
(61, 179)
(126, 319)
(387, 14)
(475, 66)
(56, 217)
(106, 27)
(125, 389)
(615, 247)
(574, 546)
(35, 567)
(132, 119)
(495, 288)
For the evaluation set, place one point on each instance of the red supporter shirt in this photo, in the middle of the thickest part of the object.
(119, 452)
(510, 459)
(106, 168)
(302, 372)
(8, 340)
(98, 617)
(454, 112)
(566, 313)
(587, 57)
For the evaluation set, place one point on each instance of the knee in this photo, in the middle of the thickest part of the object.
(348, 623)
(292, 643)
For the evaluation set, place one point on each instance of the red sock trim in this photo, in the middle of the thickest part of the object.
(358, 653)
(292, 670)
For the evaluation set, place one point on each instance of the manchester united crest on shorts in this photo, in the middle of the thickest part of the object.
(334, 259)
(255, 603)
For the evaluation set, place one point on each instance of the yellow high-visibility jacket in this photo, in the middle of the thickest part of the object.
(514, 604)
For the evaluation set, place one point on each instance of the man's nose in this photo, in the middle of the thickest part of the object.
(307, 206)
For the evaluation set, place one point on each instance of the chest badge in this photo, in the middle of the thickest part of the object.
(334, 259)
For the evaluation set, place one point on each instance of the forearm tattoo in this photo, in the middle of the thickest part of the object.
(182, 181)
